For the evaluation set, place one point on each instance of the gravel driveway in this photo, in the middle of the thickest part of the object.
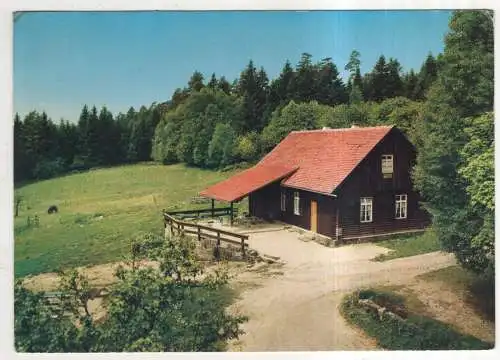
(299, 310)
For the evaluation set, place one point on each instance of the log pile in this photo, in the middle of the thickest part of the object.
(378, 310)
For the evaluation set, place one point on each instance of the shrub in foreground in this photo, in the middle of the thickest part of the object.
(164, 308)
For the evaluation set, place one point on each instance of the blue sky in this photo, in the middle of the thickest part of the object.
(118, 59)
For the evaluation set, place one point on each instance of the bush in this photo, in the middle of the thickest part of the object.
(417, 332)
(164, 308)
(49, 169)
(248, 146)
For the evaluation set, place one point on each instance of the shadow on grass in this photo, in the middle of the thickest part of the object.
(481, 296)
(479, 292)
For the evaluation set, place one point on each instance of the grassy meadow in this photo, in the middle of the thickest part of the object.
(409, 245)
(100, 211)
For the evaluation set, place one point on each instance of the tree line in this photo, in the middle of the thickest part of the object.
(210, 123)
(44, 149)
(217, 124)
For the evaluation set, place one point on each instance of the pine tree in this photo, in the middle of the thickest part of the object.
(224, 85)
(305, 88)
(212, 84)
(281, 90)
(93, 154)
(410, 81)
(355, 82)
(330, 90)
(67, 136)
(253, 87)
(379, 80)
(22, 163)
(426, 77)
(393, 82)
(83, 128)
(196, 82)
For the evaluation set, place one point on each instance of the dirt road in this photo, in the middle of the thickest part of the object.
(299, 310)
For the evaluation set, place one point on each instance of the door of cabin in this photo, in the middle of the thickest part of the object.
(314, 216)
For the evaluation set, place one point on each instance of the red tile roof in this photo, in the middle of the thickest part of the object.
(324, 157)
(247, 181)
(314, 160)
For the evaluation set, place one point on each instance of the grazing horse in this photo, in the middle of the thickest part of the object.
(52, 209)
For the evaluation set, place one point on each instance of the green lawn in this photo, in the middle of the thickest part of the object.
(403, 246)
(100, 211)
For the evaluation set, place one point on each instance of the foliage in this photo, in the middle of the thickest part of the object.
(463, 89)
(478, 170)
(293, 117)
(221, 149)
(248, 147)
(37, 326)
(150, 309)
(45, 169)
(410, 245)
(398, 111)
(478, 164)
(417, 332)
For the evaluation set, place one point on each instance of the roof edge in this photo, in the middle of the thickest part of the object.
(389, 129)
(309, 190)
(258, 188)
(341, 129)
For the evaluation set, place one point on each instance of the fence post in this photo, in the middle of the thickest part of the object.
(231, 222)
(243, 247)
(199, 234)
(218, 239)
(213, 204)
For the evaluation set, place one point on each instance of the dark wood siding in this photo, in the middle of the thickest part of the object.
(367, 181)
(265, 202)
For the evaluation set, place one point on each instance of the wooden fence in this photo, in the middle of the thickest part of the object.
(204, 232)
(199, 213)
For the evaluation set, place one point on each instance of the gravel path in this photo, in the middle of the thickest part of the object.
(299, 310)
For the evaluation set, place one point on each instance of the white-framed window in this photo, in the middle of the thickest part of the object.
(401, 206)
(387, 165)
(283, 201)
(366, 210)
(296, 203)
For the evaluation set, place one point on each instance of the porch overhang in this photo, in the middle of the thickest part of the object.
(240, 185)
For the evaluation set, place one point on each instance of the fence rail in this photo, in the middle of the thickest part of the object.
(201, 212)
(203, 232)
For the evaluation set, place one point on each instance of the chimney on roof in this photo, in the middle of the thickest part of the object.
(326, 128)
(354, 126)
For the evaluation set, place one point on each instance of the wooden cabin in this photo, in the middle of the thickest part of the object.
(343, 183)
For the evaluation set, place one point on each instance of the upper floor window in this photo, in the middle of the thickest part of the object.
(366, 210)
(283, 201)
(296, 203)
(401, 206)
(387, 166)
